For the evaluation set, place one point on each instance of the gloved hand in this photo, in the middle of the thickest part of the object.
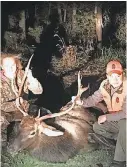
(31, 80)
(29, 74)
(77, 100)
(33, 84)
(73, 99)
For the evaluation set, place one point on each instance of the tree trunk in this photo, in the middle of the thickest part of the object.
(22, 23)
(99, 25)
(59, 12)
(49, 12)
(65, 12)
(74, 16)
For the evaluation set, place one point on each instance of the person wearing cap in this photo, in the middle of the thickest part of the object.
(11, 75)
(112, 124)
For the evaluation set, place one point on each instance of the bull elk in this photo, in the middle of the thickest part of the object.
(59, 139)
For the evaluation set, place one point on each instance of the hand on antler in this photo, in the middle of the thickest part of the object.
(77, 100)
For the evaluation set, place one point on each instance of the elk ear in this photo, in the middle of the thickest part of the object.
(50, 132)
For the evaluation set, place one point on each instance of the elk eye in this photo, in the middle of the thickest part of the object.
(32, 133)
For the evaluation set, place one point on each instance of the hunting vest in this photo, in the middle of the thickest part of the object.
(113, 100)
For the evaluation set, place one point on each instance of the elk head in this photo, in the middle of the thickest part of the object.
(30, 132)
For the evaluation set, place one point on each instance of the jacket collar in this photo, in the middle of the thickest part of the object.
(108, 88)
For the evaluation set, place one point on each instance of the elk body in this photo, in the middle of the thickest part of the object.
(75, 125)
(56, 140)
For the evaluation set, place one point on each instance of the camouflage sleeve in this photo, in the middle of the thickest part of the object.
(118, 115)
(31, 84)
(34, 85)
(93, 100)
(8, 106)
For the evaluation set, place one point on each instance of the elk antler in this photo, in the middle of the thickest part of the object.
(80, 88)
(25, 75)
(80, 91)
(21, 87)
(46, 129)
(17, 102)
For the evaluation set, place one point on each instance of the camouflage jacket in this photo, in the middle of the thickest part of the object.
(8, 96)
(7, 93)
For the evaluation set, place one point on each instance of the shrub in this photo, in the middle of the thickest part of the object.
(35, 33)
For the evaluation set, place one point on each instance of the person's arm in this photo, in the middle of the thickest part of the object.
(117, 115)
(33, 84)
(93, 100)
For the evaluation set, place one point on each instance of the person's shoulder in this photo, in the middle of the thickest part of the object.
(124, 81)
(104, 82)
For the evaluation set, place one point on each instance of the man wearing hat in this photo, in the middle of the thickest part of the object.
(111, 125)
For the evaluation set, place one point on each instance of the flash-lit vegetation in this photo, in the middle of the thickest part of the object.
(21, 34)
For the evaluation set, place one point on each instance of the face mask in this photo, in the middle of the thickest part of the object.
(9, 67)
(115, 79)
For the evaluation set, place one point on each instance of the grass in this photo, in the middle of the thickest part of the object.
(98, 158)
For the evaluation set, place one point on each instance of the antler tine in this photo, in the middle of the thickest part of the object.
(25, 75)
(56, 114)
(80, 89)
(21, 87)
(17, 102)
(39, 113)
(17, 105)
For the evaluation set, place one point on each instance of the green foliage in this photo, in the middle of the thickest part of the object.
(96, 65)
(113, 54)
(84, 26)
(121, 30)
(35, 33)
(13, 40)
(68, 62)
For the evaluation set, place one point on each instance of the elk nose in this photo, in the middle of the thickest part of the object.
(11, 150)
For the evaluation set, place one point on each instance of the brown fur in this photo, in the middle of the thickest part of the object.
(76, 125)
